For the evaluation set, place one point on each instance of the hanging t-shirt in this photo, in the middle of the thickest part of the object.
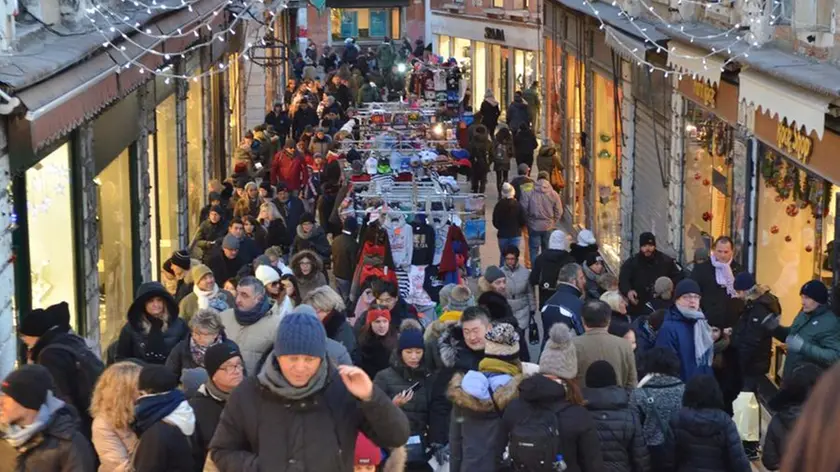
(402, 244)
(432, 283)
(370, 165)
(440, 80)
(424, 244)
(429, 84)
(416, 293)
(440, 241)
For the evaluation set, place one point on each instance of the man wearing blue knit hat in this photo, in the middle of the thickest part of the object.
(301, 410)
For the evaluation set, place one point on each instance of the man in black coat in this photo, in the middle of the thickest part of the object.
(227, 262)
(225, 370)
(164, 423)
(716, 277)
(305, 116)
(300, 409)
(42, 432)
(639, 273)
(73, 366)
(248, 248)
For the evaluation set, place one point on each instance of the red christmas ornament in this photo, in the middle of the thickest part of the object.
(809, 248)
(774, 229)
(788, 239)
(778, 199)
(706, 182)
(697, 176)
(707, 216)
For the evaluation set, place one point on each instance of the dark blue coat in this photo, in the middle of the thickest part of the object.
(564, 306)
(291, 210)
(707, 441)
(645, 336)
(677, 334)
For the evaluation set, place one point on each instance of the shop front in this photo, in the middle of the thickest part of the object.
(502, 57)
(709, 209)
(606, 152)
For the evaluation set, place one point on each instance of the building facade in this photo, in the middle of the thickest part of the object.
(108, 163)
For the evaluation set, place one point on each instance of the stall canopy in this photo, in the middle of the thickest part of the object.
(797, 105)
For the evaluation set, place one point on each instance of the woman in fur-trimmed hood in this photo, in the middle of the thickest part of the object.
(309, 271)
(477, 436)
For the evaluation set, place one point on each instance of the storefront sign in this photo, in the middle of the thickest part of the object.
(707, 93)
(792, 141)
(495, 34)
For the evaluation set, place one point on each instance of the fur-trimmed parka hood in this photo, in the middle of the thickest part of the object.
(317, 264)
(502, 396)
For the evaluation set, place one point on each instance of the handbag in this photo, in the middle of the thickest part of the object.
(533, 330)
(556, 178)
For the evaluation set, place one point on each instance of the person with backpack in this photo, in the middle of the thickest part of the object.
(619, 428)
(543, 211)
(41, 432)
(66, 356)
(546, 267)
(548, 427)
(502, 154)
(657, 397)
(477, 438)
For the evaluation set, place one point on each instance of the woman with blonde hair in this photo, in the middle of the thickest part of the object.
(275, 226)
(112, 409)
(618, 305)
(331, 310)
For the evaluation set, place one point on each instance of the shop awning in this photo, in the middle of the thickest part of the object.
(367, 3)
(796, 104)
(58, 105)
(626, 46)
(695, 62)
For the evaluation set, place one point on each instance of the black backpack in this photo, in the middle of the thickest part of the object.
(535, 443)
(88, 369)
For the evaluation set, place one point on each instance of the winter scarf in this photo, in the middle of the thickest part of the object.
(247, 318)
(271, 378)
(209, 299)
(723, 275)
(213, 391)
(150, 409)
(197, 351)
(702, 336)
(498, 366)
(17, 436)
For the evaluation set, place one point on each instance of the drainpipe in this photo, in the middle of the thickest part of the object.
(11, 103)
(427, 23)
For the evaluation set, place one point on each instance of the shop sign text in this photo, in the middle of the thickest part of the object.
(792, 141)
(705, 92)
(496, 34)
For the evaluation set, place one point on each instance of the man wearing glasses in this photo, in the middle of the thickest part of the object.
(225, 370)
(687, 332)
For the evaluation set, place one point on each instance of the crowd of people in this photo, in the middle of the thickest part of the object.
(260, 349)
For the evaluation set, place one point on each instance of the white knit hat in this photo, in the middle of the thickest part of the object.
(585, 238)
(267, 274)
(558, 240)
(559, 356)
(508, 191)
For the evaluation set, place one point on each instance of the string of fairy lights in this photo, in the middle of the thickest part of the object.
(122, 24)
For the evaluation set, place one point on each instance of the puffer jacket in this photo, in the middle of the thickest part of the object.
(509, 218)
(316, 241)
(420, 410)
(315, 279)
(520, 295)
(706, 440)
(58, 446)
(777, 433)
(751, 339)
(477, 437)
(619, 429)
(579, 444)
(656, 399)
(140, 338)
(261, 430)
(547, 159)
(254, 340)
(543, 208)
(820, 330)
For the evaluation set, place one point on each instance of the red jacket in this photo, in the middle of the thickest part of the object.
(289, 169)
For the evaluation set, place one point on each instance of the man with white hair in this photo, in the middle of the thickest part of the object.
(546, 267)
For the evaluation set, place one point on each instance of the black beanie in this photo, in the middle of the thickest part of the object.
(28, 386)
(181, 259)
(600, 374)
(157, 379)
(647, 238)
(815, 290)
(39, 321)
(218, 354)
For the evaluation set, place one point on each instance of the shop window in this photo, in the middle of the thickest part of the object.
(708, 182)
(52, 262)
(575, 172)
(607, 156)
(365, 23)
(525, 68)
(195, 157)
(167, 178)
(115, 247)
(480, 76)
(794, 236)
(234, 100)
(444, 46)
(462, 52)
